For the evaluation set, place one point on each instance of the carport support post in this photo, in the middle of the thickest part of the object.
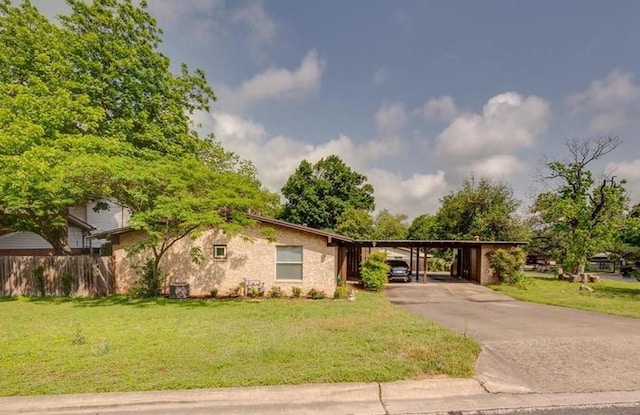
(411, 261)
(424, 274)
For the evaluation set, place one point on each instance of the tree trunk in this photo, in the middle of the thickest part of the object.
(59, 241)
(580, 269)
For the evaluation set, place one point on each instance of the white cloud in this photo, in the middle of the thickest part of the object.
(384, 147)
(610, 102)
(239, 130)
(379, 77)
(261, 26)
(499, 166)
(508, 122)
(277, 157)
(440, 109)
(276, 83)
(413, 196)
(390, 117)
(630, 171)
(170, 11)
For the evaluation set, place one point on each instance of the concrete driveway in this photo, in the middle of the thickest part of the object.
(531, 348)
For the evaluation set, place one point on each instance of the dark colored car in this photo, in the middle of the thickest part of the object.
(399, 270)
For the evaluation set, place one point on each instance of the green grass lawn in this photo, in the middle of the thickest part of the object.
(611, 297)
(54, 346)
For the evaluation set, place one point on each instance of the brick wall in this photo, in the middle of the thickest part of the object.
(250, 255)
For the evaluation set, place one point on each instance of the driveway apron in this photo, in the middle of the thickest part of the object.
(531, 348)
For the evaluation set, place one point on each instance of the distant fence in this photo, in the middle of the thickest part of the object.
(90, 276)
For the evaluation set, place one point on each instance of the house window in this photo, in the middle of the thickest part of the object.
(288, 262)
(219, 251)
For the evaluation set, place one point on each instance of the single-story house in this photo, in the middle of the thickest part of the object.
(287, 256)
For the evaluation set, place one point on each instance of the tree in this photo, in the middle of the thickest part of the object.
(424, 227)
(73, 97)
(355, 223)
(583, 213)
(48, 163)
(390, 227)
(318, 194)
(171, 199)
(113, 48)
(483, 209)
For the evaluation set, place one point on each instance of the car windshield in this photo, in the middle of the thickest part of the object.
(397, 264)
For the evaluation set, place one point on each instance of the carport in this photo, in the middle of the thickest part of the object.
(471, 261)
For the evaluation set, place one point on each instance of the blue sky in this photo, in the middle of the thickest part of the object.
(414, 94)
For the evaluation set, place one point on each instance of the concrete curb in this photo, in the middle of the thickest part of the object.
(431, 396)
(352, 398)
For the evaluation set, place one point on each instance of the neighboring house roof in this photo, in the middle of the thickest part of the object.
(331, 237)
(79, 223)
(433, 243)
(73, 220)
(110, 233)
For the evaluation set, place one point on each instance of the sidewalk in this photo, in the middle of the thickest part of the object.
(437, 396)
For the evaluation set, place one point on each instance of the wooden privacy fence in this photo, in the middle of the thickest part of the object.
(89, 276)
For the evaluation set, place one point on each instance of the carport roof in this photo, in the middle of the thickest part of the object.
(432, 243)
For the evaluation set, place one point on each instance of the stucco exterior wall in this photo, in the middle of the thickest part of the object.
(250, 255)
(487, 276)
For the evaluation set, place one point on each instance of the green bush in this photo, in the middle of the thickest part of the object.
(213, 292)
(149, 284)
(341, 292)
(316, 294)
(438, 264)
(66, 283)
(374, 271)
(296, 292)
(275, 292)
(507, 264)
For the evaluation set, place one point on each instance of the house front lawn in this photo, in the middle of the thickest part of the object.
(611, 297)
(57, 346)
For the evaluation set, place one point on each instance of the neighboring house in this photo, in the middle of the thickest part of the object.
(83, 221)
(287, 256)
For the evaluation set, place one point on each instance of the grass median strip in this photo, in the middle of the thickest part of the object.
(55, 346)
(612, 297)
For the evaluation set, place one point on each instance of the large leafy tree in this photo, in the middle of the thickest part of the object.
(318, 194)
(424, 227)
(355, 223)
(480, 208)
(388, 226)
(76, 95)
(177, 197)
(49, 161)
(584, 214)
(113, 49)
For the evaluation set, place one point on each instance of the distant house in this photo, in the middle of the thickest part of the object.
(290, 256)
(83, 221)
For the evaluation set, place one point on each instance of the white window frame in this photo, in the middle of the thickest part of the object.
(301, 263)
(215, 253)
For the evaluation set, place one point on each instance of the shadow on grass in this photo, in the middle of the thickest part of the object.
(632, 293)
(119, 300)
(7, 299)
